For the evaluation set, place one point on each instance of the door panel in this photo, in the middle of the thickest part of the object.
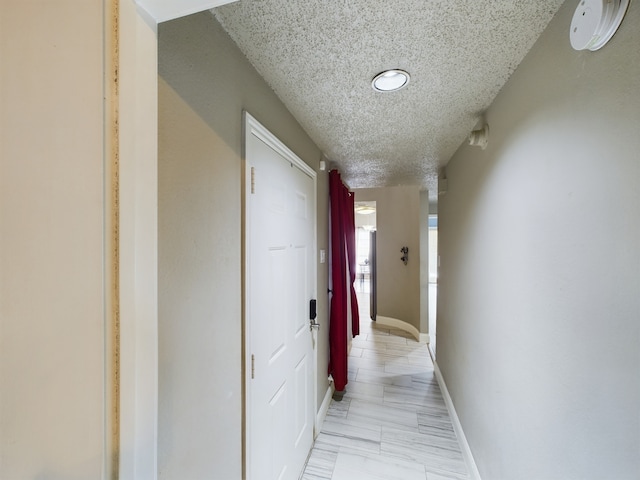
(279, 283)
(301, 400)
(278, 415)
(300, 289)
(276, 297)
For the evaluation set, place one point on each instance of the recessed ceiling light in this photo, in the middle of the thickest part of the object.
(390, 81)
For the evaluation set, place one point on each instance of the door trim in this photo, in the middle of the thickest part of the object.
(251, 126)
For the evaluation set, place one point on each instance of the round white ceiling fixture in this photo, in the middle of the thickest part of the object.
(390, 80)
(365, 209)
(595, 21)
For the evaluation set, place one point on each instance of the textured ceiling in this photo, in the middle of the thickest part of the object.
(320, 56)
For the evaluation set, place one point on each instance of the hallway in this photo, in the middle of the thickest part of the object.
(392, 422)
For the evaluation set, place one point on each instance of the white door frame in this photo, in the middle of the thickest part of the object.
(255, 128)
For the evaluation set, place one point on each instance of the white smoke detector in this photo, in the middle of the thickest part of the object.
(480, 138)
(595, 22)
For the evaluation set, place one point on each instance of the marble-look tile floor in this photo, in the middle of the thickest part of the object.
(391, 423)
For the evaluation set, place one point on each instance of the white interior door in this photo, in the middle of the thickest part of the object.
(280, 275)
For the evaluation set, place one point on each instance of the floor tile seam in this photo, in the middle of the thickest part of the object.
(356, 385)
(407, 406)
(435, 401)
(387, 379)
(408, 426)
(349, 450)
(439, 426)
(383, 457)
(382, 377)
(373, 381)
(363, 344)
(422, 386)
(409, 346)
(418, 389)
(375, 429)
(415, 368)
(376, 401)
(387, 358)
(358, 449)
(437, 404)
(431, 461)
(445, 436)
(418, 368)
(410, 418)
(332, 461)
(435, 421)
(364, 444)
(368, 403)
(432, 464)
(427, 401)
(442, 427)
(387, 339)
(416, 374)
(446, 475)
(422, 440)
(423, 389)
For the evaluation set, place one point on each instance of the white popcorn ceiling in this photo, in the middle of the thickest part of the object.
(319, 56)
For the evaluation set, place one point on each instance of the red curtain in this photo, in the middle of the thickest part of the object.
(343, 263)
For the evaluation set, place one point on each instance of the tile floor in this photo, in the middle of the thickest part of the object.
(391, 423)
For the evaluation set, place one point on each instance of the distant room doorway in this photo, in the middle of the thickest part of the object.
(434, 260)
(365, 216)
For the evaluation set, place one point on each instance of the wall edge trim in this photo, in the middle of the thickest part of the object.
(457, 426)
(324, 408)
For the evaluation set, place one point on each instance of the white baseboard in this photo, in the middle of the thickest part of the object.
(474, 474)
(404, 326)
(432, 351)
(322, 412)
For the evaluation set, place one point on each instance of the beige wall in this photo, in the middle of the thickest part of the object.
(52, 212)
(205, 83)
(398, 225)
(539, 296)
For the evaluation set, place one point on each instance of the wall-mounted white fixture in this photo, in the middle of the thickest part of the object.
(323, 165)
(480, 138)
(443, 184)
(595, 21)
(390, 80)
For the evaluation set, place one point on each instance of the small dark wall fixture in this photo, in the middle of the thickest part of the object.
(405, 254)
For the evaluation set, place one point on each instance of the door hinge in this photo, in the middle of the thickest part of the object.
(253, 366)
(253, 180)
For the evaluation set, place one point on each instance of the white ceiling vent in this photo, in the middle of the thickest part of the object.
(595, 22)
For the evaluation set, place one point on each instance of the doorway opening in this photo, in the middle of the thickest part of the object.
(365, 216)
(434, 261)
